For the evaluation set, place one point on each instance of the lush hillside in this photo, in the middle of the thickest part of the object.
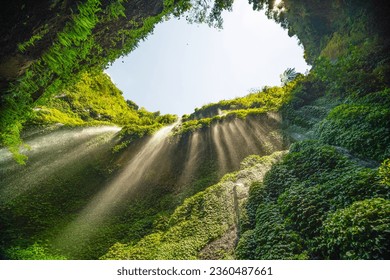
(326, 199)
(92, 100)
(95, 100)
(301, 208)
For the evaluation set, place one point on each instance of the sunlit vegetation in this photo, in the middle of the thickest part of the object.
(72, 183)
(88, 41)
(315, 204)
(361, 125)
(95, 100)
(359, 231)
(270, 99)
(34, 252)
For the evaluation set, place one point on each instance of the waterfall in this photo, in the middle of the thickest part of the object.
(48, 155)
(101, 206)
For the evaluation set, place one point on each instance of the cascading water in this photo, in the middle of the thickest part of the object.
(92, 193)
(49, 155)
(121, 186)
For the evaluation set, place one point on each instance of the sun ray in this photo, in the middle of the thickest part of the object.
(50, 154)
(240, 130)
(101, 206)
(192, 159)
(220, 151)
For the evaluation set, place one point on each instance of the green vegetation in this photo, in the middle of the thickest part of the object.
(362, 126)
(34, 252)
(360, 231)
(328, 198)
(85, 43)
(95, 100)
(317, 188)
(323, 201)
(200, 220)
(289, 214)
(23, 47)
(268, 100)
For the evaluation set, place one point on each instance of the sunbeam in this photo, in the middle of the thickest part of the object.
(192, 159)
(49, 154)
(234, 149)
(102, 205)
(238, 129)
(218, 145)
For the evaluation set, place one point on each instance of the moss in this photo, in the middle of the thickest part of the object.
(33, 252)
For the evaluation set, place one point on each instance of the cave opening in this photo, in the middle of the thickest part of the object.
(182, 66)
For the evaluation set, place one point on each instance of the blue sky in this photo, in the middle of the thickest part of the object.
(182, 66)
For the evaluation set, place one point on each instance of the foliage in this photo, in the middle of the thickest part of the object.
(305, 160)
(95, 100)
(85, 43)
(304, 189)
(317, 191)
(115, 10)
(271, 239)
(33, 252)
(257, 103)
(320, 202)
(384, 172)
(36, 37)
(208, 11)
(360, 126)
(360, 231)
(288, 75)
(362, 68)
(198, 221)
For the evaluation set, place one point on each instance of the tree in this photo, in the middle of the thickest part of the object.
(208, 11)
(288, 75)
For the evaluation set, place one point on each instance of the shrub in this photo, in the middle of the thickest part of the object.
(270, 239)
(307, 159)
(363, 129)
(360, 231)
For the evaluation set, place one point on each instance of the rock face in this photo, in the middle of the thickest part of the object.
(224, 246)
(39, 23)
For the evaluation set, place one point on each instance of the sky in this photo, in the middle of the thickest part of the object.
(184, 66)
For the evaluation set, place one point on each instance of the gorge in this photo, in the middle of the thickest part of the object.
(297, 171)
